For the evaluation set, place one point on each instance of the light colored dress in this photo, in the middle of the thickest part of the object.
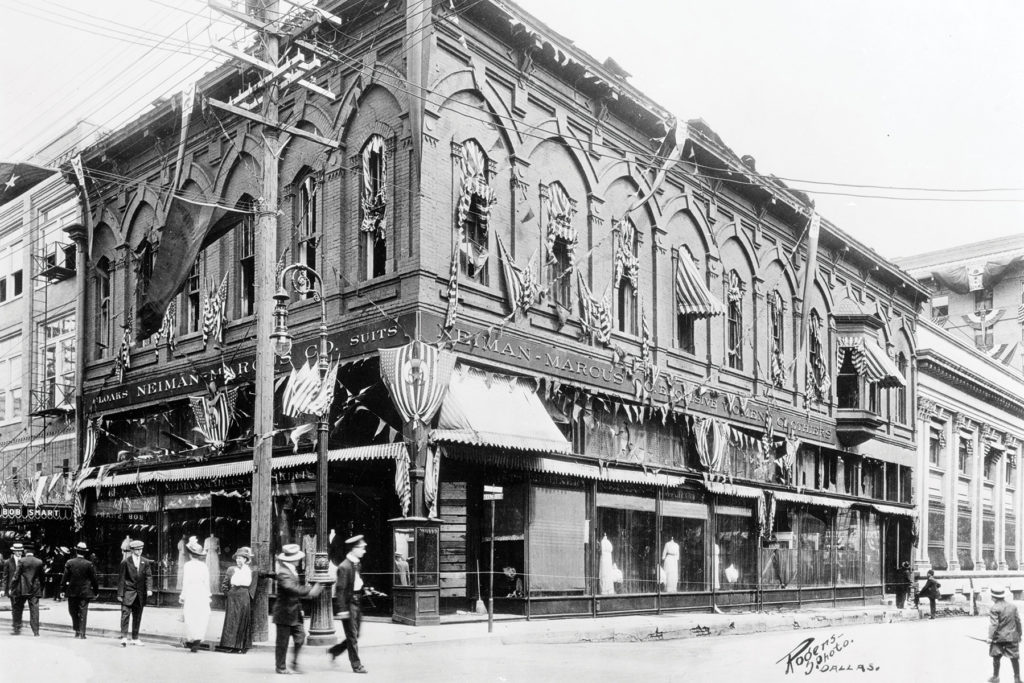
(606, 569)
(212, 547)
(195, 592)
(670, 562)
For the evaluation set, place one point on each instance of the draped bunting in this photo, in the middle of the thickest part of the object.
(321, 403)
(430, 481)
(473, 183)
(595, 315)
(124, 353)
(870, 361)
(452, 310)
(735, 291)
(417, 377)
(644, 372)
(215, 311)
(692, 295)
(560, 211)
(989, 272)
(822, 382)
(770, 513)
(214, 415)
(403, 487)
(711, 437)
(788, 460)
(374, 202)
(626, 260)
(302, 389)
(522, 288)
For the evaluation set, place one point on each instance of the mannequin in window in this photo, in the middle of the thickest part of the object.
(606, 568)
(670, 565)
(212, 547)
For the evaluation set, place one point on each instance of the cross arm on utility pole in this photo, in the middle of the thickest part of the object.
(242, 17)
(238, 111)
(273, 72)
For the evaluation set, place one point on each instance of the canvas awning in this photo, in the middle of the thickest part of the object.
(724, 489)
(808, 499)
(692, 295)
(871, 361)
(244, 467)
(893, 510)
(482, 409)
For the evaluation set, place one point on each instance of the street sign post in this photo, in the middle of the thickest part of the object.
(493, 494)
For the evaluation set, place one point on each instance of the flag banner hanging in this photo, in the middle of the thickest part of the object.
(430, 481)
(626, 260)
(302, 432)
(124, 354)
(595, 315)
(302, 390)
(321, 403)
(168, 327)
(38, 489)
(522, 288)
(17, 177)
(374, 197)
(670, 149)
(561, 209)
(403, 487)
(214, 311)
(214, 416)
(451, 312)
(416, 376)
(711, 437)
(187, 99)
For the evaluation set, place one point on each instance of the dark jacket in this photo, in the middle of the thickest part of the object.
(80, 579)
(288, 607)
(28, 579)
(906, 578)
(134, 583)
(931, 588)
(10, 566)
(346, 584)
(1003, 622)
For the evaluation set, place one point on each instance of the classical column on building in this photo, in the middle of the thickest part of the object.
(977, 495)
(952, 491)
(925, 412)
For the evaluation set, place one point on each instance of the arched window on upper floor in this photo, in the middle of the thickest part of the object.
(734, 339)
(104, 314)
(561, 240)
(626, 275)
(901, 391)
(373, 206)
(777, 328)
(307, 220)
(818, 371)
(473, 213)
(192, 296)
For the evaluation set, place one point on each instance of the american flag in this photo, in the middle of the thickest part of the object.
(521, 285)
(403, 488)
(325, 395)
(596, 315)
(124, 354)
(302, 390)
(167, 327)
(213, 312)
(3, 491)
(214, 415)
(1020, 313)
(416, 376)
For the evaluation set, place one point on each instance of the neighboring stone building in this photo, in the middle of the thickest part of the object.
(970, 436)
(662, 441)
(977, 294)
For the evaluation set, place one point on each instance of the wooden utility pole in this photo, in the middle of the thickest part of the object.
(265, 257)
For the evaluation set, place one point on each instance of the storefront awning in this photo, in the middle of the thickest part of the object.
(244, 467)
(692, 295)
(723, 489)
(871, 361)
(807, 499)
(493, 410)
(893, 510)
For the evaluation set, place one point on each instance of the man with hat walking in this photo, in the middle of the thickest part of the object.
(80, 586)
(1003, 634)
(10, 567)
(288, 617)
(349, 591)
(134, 585)
(28, 582)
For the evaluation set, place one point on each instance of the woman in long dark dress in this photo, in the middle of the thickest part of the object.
(239, 588)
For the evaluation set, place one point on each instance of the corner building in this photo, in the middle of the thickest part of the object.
(630, 376)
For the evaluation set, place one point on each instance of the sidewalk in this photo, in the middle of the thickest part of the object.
(163, 625)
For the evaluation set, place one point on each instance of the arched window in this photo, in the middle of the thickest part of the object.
(626, 274)
(734, 324)
(818, 372)
(308, 222)
(901, 392)
(193, 296)
(685, 321)
(103, 312)
(246, 244)
(777, 327)
(475, 199)
(561, 240)
(373, 245)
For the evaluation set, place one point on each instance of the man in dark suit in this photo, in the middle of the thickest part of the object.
(11, 566)
(349, 591)
(134, 585)
(288, 618)
(80, 586)
(28, 582)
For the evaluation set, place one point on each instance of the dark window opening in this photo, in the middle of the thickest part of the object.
(626, 308)
(684, 333)
(848, 384)
(559, 274)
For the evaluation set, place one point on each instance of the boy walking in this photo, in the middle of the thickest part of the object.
(1003, 634)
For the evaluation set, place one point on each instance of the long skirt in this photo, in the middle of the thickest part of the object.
(237, 634)
(197, 618)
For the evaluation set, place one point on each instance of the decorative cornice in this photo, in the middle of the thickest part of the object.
(934, 365)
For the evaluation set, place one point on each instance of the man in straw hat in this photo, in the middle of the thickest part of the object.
(28, 584)
(134, 585)
(349, 591)
(80, 586)
(10, 567)
(288, 618)
(1003, 634)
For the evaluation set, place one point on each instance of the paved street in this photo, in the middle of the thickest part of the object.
(915, 651)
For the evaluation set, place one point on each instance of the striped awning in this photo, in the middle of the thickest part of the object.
(724, 489)
(692, 295)
(807, 499)
(871, 361)
(244, 467)
(484, 409)
(893, 510)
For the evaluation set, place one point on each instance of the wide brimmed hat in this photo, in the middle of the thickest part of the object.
(17, 546)
(291, 553)
(194, 548)
(243, 552)
(136, 545)
(355, 541)
(82, 547)
(998, 593)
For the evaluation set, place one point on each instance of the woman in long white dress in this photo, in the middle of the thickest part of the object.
(606, 568)
(670, 564)
(195, 595)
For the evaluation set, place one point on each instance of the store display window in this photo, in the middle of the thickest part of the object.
(814, 544)
(735, 548)
(627, 559)
(872, 548)
(849, 548)
(683, 529)
(559, 534)
(118, 520)
(509, 541)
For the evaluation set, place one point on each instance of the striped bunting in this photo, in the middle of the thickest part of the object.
(595, 315)
(168, 326)
(416, 376)
(213, 312)
(1004, 353)
(124, 353)
(521, 286)
(302, 390)
(214, 415)
(692, 295)
(321, 403)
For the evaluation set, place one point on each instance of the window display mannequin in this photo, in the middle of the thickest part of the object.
(670, 565)
(212, 547)
(606, 568)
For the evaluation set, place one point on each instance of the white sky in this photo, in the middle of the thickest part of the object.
(909, 93)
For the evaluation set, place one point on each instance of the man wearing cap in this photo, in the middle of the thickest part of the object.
(288, 617)
(11, 566)
(80, 586)
(134, 585)
(28, 583)
(349, 591)
(1003, 634)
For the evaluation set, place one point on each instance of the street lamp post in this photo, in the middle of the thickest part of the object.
(304, 280)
